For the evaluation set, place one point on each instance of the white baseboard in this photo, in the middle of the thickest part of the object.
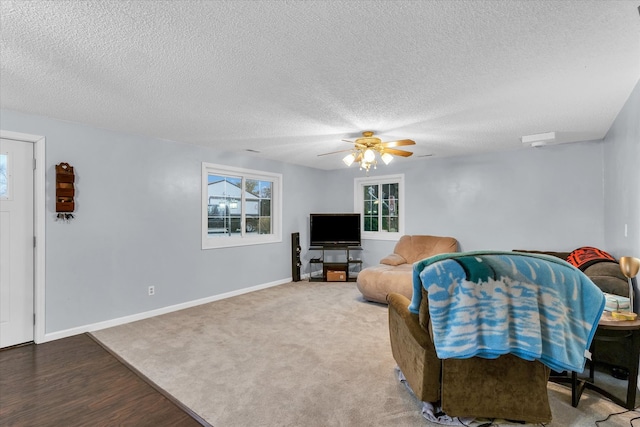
(157, 312)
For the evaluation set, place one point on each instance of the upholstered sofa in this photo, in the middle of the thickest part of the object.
(604, 273)
(394, 273)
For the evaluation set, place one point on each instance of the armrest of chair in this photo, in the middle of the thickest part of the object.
(400, 304)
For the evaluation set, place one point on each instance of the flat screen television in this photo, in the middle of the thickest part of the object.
(334, 229)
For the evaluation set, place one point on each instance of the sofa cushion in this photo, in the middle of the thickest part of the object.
(608, 277)
(393, 259)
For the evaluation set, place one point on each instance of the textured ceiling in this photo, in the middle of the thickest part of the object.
(290, 79)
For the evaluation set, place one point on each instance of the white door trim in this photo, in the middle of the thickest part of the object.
(39, 213)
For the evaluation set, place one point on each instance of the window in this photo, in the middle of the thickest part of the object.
(240, 206)
(4, 177)
(380, 201)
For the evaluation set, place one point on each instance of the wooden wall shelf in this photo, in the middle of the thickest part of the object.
(65, 190)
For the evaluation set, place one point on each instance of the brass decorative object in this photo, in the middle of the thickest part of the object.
(629, 266)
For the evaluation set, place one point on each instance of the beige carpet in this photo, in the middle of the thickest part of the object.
(299, 354)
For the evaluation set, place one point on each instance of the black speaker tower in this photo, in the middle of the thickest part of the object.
(295, 256)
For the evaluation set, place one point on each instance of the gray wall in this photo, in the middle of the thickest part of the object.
(138, 212)
(622, 180)
(548, 198)
(138, 224)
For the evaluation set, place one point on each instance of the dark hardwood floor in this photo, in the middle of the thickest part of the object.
(76, 382)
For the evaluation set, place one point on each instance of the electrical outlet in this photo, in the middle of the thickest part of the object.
(152, 290)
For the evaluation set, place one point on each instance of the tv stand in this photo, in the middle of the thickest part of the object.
(341, 261)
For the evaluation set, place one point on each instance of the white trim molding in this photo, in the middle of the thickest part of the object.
(39, 211)
(157, 312)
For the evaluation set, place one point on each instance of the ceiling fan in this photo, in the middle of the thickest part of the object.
(365, 149)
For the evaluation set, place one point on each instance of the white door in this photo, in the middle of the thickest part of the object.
(16, 242)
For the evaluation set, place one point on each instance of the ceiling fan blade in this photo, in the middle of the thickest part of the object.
(395, 152)
(398, 143)
(359, 145)
(335, 152)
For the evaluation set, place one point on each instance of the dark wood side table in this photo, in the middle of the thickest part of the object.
(610, 330)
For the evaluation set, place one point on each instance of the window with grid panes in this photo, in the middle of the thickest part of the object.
(380, 201)
(240, 206)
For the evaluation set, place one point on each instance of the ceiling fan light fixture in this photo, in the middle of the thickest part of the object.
(348, 159)
(367, 149)
(369, 156)
(367, 165)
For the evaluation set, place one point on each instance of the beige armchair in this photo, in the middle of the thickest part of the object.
(507, 387)
(394, 273)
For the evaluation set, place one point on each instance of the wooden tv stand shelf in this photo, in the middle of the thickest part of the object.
(319, 266)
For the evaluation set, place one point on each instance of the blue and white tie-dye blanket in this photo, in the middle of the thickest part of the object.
(486, 304)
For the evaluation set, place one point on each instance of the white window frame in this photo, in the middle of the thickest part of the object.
(358, 204)
(243, 239)
(8, 195)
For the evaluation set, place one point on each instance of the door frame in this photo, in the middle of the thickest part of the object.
(39, 217)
